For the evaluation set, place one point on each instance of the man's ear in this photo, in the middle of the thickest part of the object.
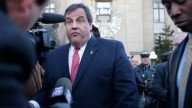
(90, 25)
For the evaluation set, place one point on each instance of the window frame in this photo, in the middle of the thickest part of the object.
(50, 9)
(160, 8)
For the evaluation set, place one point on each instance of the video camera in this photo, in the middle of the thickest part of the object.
(41, 37)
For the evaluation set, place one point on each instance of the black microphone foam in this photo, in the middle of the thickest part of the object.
(62, 92)
(51, 18)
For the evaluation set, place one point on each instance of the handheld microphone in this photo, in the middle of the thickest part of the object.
(51, 18)
(61, 93)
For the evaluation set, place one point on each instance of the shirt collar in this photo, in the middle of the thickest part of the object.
(83, 47)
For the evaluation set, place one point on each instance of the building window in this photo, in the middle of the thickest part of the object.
(50, 8)
(103, 8)
(159, 13)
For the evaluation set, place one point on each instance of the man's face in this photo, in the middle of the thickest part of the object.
(180, 12)
(77, 27)
(145, 60)
(24, 12)
(134, 63)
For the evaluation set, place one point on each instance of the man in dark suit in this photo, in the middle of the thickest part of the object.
(180, 72)
(159, 85)
(99, 69)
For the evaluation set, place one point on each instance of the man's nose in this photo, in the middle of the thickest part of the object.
(74, 25)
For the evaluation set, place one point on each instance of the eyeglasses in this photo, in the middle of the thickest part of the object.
(144, 55)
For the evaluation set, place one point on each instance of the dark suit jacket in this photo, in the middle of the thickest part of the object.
(159, 85)
(105, 79)
(172, 81)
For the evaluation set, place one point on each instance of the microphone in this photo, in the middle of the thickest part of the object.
(61, 95)
(51, 18)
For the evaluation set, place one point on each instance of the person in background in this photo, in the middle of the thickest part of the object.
(134, 62)
(159, 85)
(144, 77)
(95, 32)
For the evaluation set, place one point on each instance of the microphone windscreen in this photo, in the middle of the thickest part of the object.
(64, 82)
(51, 18)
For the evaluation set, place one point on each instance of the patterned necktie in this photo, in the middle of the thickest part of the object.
(185, 73)
(75, 65)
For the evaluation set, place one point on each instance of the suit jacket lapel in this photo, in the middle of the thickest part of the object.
(88, 54)
(63, 59)
(188, 93)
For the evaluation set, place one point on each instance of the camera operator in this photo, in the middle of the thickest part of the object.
(25, 13)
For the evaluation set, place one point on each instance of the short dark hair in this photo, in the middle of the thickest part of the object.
(95, 31)
(76, 6)
(165, 56)
(41, 2)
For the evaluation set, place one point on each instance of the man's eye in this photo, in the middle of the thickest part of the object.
(80, 20)
(68, 22)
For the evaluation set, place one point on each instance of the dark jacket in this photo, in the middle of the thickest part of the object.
(17, 58)
(159, 85)
(144, 79)
(105, 78)
(173, 67)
